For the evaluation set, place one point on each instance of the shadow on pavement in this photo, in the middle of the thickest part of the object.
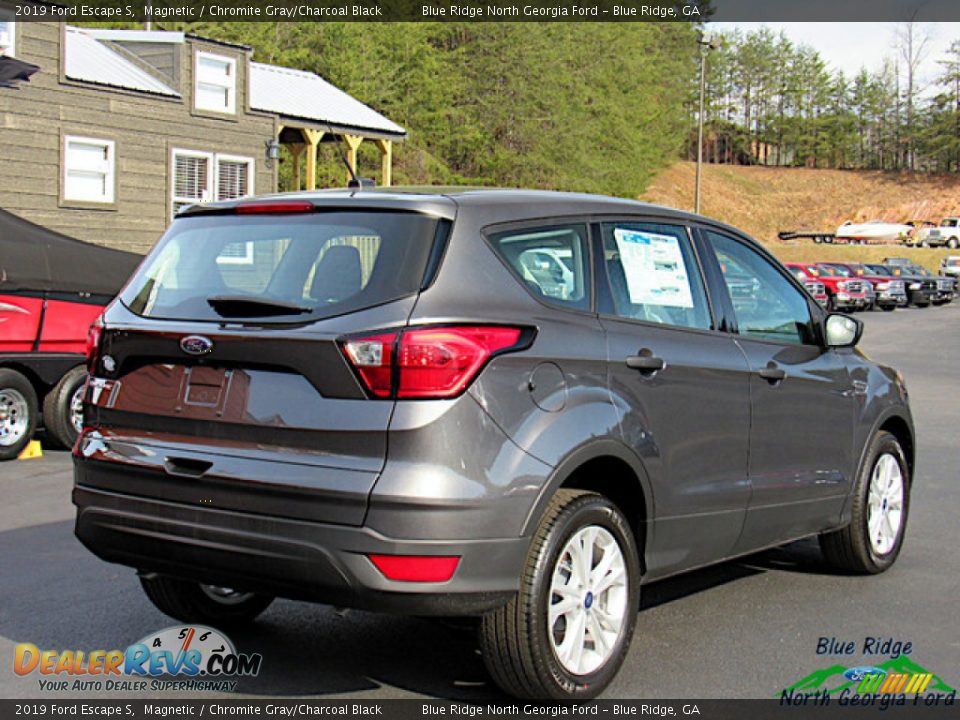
(57, 595)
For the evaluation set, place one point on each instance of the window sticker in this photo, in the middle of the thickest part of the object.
(654, 268)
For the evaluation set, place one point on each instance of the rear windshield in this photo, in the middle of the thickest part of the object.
(282, 267)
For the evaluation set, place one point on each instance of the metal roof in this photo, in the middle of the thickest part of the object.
(90, 60)
(304, 95)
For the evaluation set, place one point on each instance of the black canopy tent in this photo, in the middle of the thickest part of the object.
(13, 71)
(35, 259)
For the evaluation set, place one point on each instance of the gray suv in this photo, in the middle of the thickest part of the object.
(516, 406)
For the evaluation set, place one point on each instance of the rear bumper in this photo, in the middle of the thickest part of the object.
(291, 558)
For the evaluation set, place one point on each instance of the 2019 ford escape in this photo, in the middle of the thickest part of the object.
(515, 405)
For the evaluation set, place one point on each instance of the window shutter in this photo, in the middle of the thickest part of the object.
(233, 179)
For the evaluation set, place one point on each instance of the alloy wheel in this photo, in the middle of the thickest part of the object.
(586, 612)
(885, 504)
(14, 416)
(225, 595)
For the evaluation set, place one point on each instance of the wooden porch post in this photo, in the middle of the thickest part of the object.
(296, 150)
(386, 162)
(313, 138)
(353, 142)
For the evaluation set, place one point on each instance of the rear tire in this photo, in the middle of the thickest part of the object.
(525, 644)
(60, 407)
(881, 502)
(193, 602)
(18, 413)
(889, 308)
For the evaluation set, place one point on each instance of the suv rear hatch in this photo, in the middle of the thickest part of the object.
(219, 379)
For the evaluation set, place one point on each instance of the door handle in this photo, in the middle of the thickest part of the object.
(772, 374)
(646, 362)
(186, 467)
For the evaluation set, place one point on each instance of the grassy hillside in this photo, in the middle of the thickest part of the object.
(763, 201)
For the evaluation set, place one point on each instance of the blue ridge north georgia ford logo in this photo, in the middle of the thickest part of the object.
(196, 345)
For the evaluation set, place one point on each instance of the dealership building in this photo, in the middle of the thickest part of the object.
(118, 129)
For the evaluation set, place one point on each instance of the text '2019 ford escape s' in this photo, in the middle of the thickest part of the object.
(514, 405)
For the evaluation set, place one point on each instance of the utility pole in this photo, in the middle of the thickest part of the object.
(707, 41)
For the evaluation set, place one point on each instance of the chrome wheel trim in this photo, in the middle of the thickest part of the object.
(14, 416)
(225, 595)
(587, 605)
(75, 413)
(885, 504)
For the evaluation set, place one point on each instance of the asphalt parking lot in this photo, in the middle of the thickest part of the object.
(743, 629)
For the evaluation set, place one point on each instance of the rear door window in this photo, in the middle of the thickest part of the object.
(551, 261)
(654, 275)
(310, 266)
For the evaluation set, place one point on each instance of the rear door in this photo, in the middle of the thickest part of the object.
(803, 401)
(221, 381)
(681, 389)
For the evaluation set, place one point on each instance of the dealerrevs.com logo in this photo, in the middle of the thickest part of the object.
(201, 658)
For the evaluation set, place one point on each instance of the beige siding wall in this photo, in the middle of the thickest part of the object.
(34, 118)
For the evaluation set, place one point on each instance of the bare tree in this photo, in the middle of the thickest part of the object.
(913, 43)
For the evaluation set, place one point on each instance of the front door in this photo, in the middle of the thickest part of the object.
(801, 430)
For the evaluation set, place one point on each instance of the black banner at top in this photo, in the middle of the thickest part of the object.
(487, 10)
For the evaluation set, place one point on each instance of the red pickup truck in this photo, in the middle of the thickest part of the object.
(813, 284)
(52, 288)
(842, 293)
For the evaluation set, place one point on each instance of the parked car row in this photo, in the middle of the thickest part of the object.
(896, 282)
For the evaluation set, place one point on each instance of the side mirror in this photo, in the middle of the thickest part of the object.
(842, 331)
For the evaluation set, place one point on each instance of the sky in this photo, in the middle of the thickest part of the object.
(850, 46)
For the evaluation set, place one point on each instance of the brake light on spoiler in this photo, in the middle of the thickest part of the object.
(274, 207)
(429, 362)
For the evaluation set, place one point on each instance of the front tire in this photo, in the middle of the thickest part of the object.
(871, 542)
(193, 602)
(18, 413)
(565, 634)
(63, 408)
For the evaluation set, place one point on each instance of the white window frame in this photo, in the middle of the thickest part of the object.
(231, 87)
(208, 190)
(212, 185)
(109, 196)
(9, 50)
(247, 257)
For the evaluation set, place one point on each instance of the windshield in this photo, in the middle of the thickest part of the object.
(835, 271)
(878, 270)
(299, 266)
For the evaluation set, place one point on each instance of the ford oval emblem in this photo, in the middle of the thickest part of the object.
(196, 345)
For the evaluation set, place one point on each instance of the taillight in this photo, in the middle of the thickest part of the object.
(94, 336)
(429, 362)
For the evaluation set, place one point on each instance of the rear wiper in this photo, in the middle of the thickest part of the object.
(251, 306)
